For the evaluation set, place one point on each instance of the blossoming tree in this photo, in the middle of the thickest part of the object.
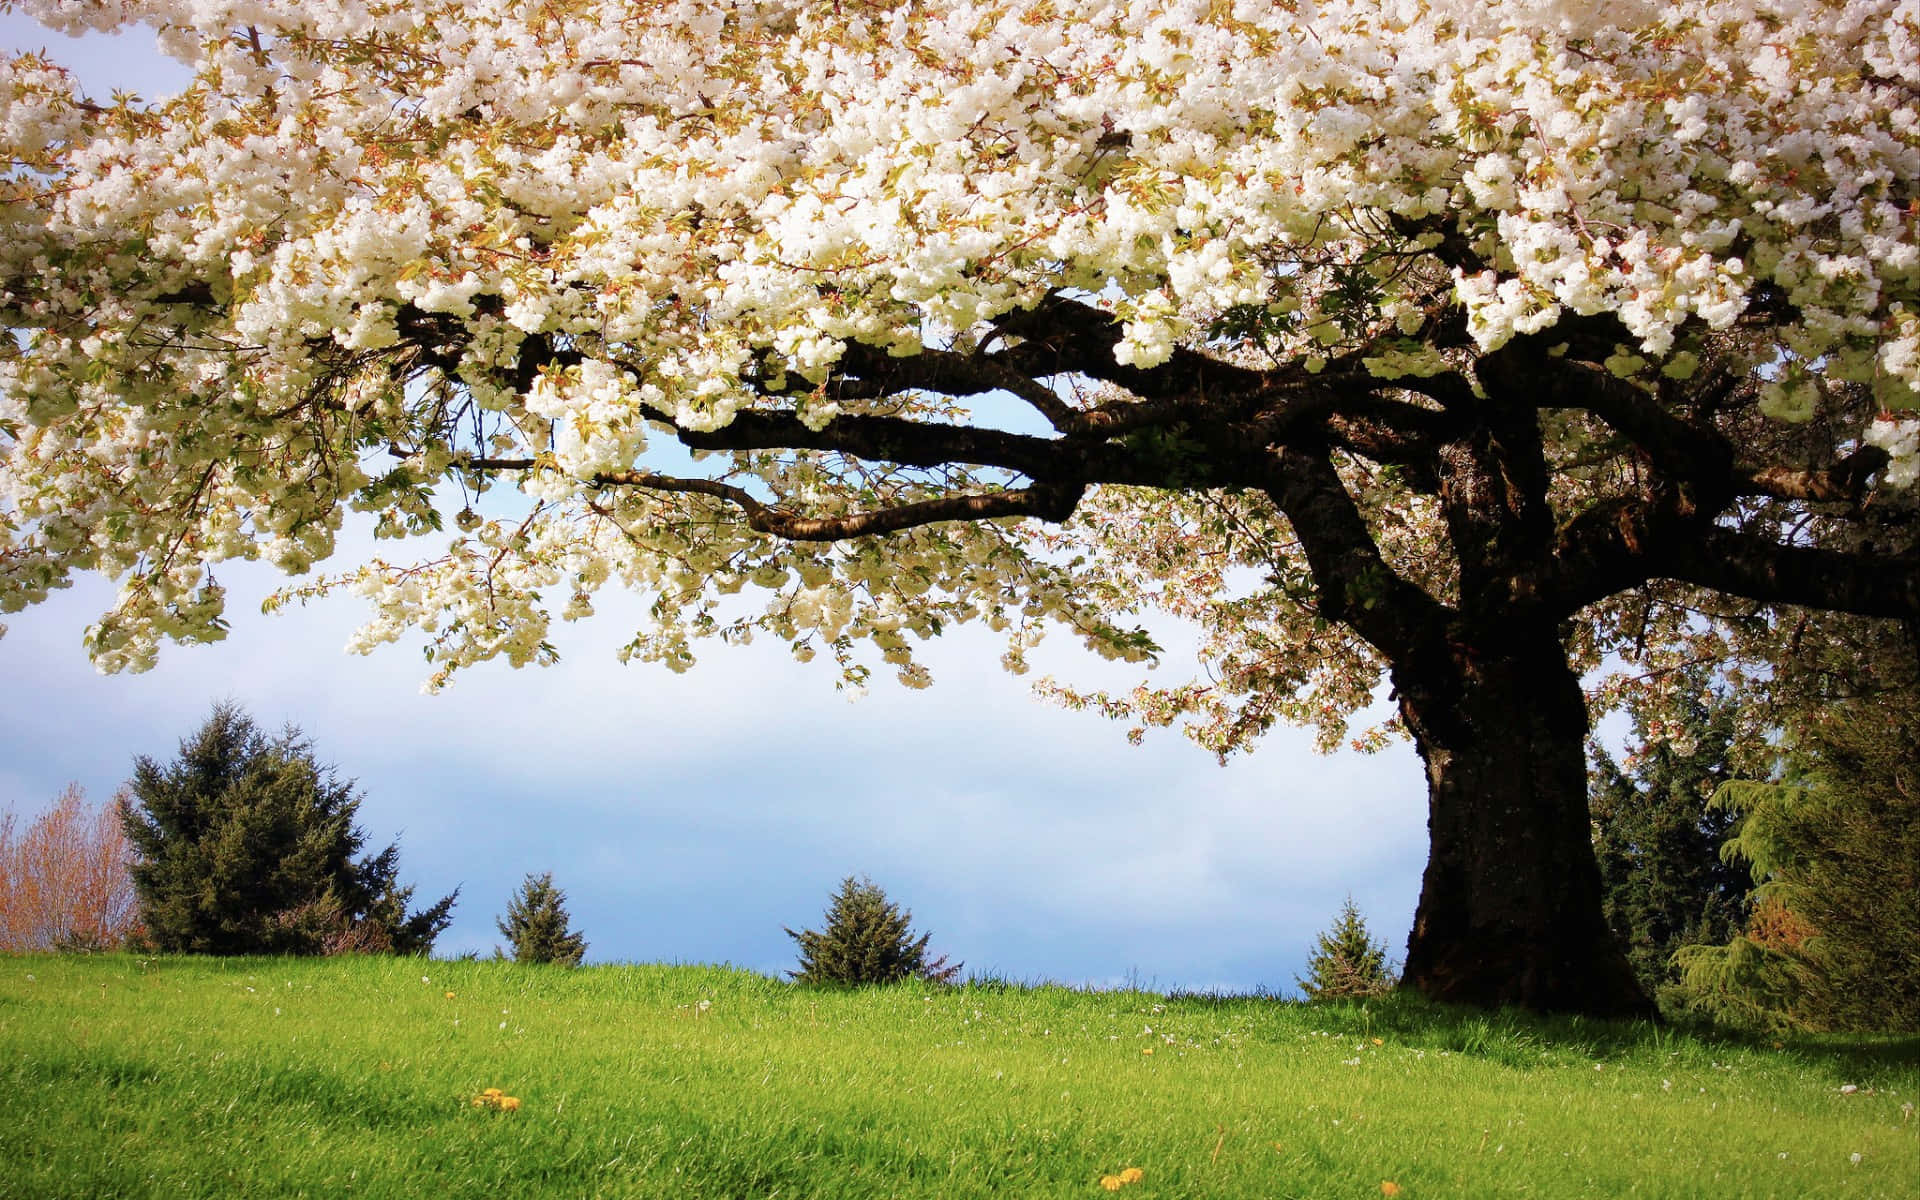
(1462, 345)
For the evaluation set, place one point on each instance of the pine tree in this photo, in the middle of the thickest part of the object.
(536, 924)
(868, 939)
(1657, 838)
(1348, 964)
(246, 845)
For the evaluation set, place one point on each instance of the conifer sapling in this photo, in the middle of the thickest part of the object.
(536, 924)
(868, 939)
(1348, 964)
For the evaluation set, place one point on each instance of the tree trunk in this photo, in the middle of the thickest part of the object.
(1510, 908)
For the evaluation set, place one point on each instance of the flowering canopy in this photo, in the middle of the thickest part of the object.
(378, 247)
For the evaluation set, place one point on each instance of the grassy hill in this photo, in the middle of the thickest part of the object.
(126, 1077)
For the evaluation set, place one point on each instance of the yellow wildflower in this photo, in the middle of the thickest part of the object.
(1389, 1188)
(1112, 1183)
(497, 1100)
(1132, 1175)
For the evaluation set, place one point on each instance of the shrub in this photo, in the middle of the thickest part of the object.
(66, 883)
(868, 939)
(1348, 964)
(536, 924)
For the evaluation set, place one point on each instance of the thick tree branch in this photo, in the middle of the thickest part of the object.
(1608, 548)
(1845, 481)
(1046, 502)
(866, 372)
(1870, 585)
(889, 439)
(1355, 584)
(1393, 432)
(1061, 336)
(1624, 543)
(1678, 449)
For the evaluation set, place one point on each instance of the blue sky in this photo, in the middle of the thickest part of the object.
(690, 817)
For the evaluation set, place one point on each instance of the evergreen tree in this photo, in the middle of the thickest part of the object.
(1657, 838)
(1835, 849)
(1347, 964)
(536, 924)
(246, 844)
(868, 939)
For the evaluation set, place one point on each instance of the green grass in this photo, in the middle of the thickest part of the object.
(125, 1077)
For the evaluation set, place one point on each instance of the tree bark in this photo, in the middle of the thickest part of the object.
(1510, 906)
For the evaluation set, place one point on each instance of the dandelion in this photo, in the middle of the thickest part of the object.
(497, 1100)
(449, 995)
(1146, 1050)
(1389, 1188)
(1114, 1183)
(1379, 1041)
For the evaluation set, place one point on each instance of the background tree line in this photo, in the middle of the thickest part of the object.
(1760, 855)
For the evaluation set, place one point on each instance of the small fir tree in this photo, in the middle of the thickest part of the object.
(246, 844)
(868, 939)
(536, 924)
(1348, 964)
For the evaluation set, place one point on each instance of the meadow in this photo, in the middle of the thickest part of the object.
(131, 1077)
